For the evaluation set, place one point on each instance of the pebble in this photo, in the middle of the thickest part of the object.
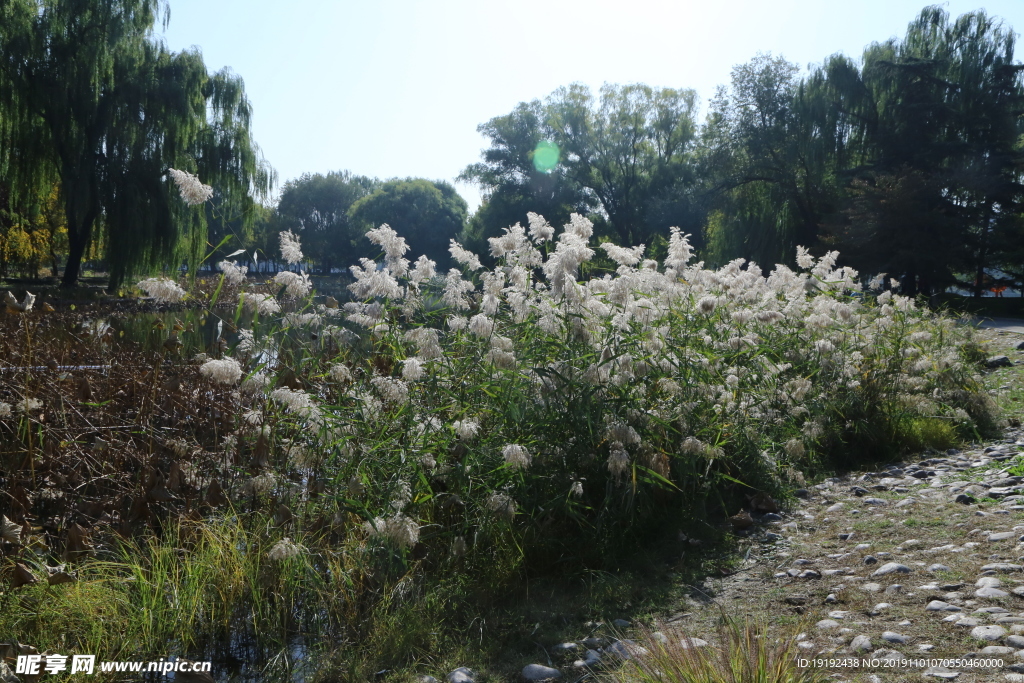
(539, 672)
(1016, 641)
(621, 623)
(940, 606)
(627, 649)
(687, 643)
(938, 568)
(861, 644)
(989, 633)
(941, 672)
(893, 637)
(990, 592)
(461, 675)
(870, 559)
(827, 625)
(892, 568)
(1001, 536)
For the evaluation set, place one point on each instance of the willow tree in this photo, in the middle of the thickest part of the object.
(87, 89)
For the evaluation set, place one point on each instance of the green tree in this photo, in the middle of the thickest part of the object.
(935, 122)
(513, 184)
(316, 207)
(631, 149)
(428, 214)
(85, 87)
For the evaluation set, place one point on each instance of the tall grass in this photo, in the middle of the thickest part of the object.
(441, 436)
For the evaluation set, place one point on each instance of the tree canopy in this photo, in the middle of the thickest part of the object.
(428, 214)
(88, 94)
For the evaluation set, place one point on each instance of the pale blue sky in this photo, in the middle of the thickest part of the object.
(393, 88)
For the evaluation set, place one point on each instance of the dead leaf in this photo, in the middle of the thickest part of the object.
(22, 576)
(57, 575)
(77, 543)
(283, 515)
(9, 531)
(215, 495)
(84, 389)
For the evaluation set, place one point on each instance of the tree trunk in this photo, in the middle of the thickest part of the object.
(81, 213)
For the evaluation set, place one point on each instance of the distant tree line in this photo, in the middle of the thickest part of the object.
(909, 161)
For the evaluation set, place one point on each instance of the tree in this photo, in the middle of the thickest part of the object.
(631, 150)
(937, 121)
(317, 208)
(515, 181)
(428, 214)
(85, 88)
(765, 163)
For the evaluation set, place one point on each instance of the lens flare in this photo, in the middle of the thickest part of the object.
(545, 156)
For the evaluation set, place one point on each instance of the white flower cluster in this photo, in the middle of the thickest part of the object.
(466, 429)
(297, 285)
(5, 409)
(192, 191)
(163, 289)
(517, 457)
(397, 529)
(28, 405)
(264, 304)
(234, 274)
(284, 549)
(224, 371)
(291, 249)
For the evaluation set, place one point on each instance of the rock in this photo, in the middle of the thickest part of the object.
(894, 588)
(990, 592)
(591, 658)
(941, 672)
(802, 493)
(796, 599)
(626, 649)
(874, 501)
(846, 537)
(565, 647)
(871, 587)
(809, 574)
(593, 642)
(905, 502)
(688, 643)
(997, 650)
(896, 638)
(660, 637)
(963, 622)
(771, 517)
(998, 362)
(990, 581)
(832, 509)
(859, 491)
(940, 606)
(861, 644)
(426, 679)
(1020, 346)
(827, 625)
(870, 559)
(892, 568)
(461, 675)
(1001, 536)
(621, 623)
(989, 633)
(539, 672)
(831, 599)
(964, 499)
(1016, 641)
(938, 568)
(1018, 591)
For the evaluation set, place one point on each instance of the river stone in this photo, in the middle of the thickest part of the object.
(892, 568)
(1005, 567)
(893, 637)
(871, 587)
(861, 644)
(827, 625)
(874, 501)
(941, 672)
(626, 649)
(989, 633)
(1018, 591)
(938, 568)
(621, 623)
(565, 647)
(990, 592)
(870, 559)
(688, 643)
(1002, 536)
(461, 675)
(963, 622)
(997, 650)
(998, 362)
(940, 606)
(1016, 641)
(539, 672)
(990, 581)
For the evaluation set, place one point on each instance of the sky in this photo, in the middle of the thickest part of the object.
(397, 88)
